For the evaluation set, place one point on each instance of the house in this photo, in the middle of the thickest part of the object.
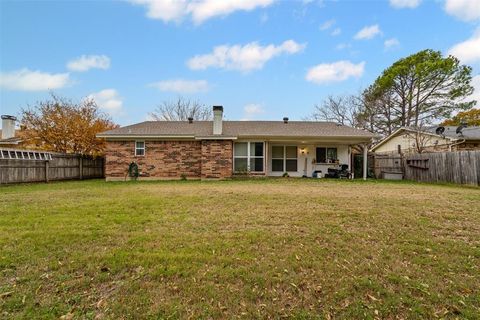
(220, 149)
(8, 134)
(432, 139)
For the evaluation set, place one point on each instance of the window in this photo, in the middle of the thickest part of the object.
(25, 155)
(248, 156)
(139, 148)
(278, 158)
(240, 159)
(326, 155)
(284, 159)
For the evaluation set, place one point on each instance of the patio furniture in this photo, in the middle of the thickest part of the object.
(339, 173)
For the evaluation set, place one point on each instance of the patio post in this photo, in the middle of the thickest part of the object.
(365, 160)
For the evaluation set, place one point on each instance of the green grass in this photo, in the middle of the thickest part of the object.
(293, 248)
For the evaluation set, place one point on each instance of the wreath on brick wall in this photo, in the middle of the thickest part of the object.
(133, 170)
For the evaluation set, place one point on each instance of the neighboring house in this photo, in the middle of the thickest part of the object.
(8, 134)
(219, 149)
(432, 139)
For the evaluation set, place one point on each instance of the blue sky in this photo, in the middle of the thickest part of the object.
(260, 59)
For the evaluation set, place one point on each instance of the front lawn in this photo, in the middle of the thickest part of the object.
(248, 249)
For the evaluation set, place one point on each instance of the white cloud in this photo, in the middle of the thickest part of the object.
(334, 72)
(108, 100)
(28, 80)
(336, 32)
(181, 86)
(391, 43)
(251, 56)
(199, 10)
(252, 110)
(85, 63)
(466, 10)
(327, 24)
(166, 10)
(343, 45)
(368, 32)
(399, 4)
(206, 9)
(467, 51)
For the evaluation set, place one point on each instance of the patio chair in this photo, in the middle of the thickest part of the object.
(341, 173)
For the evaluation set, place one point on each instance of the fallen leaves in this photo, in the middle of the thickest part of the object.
(372, 297)
(175, 250)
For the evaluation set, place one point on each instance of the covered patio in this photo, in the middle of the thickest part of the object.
(306, 157)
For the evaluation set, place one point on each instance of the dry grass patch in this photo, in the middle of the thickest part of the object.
(247, 249)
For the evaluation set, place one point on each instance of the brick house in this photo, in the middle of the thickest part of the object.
(219, 149)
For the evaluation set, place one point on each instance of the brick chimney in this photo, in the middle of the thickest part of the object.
(217, 119)
(8, 126)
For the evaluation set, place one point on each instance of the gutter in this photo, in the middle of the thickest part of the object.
(307, 138)
(129, 136)
(215, 138)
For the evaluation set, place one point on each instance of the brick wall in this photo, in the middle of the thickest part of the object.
(217, 157)
(163, 159)
(170, 159)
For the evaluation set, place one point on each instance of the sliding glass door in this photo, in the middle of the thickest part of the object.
(284, 158)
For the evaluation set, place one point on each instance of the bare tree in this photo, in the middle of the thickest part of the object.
(421, 138)
(342, 109)
(376, 113)
(180, 110)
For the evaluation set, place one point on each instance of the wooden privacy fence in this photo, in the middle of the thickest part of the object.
(31, 166)
(462, 167)
(387, 163)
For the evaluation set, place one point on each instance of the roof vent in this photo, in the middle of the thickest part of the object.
(440, 130)
(285, 120)
(460, 128)
(190, 120)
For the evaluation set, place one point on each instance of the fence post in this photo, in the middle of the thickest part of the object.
(46, 171)
(80, 165)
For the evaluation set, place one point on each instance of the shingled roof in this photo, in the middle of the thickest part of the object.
(238, 129)
(12, 140)
(467, 133)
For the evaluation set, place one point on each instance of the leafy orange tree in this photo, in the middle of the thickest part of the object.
(62, 125)
(470, 117)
